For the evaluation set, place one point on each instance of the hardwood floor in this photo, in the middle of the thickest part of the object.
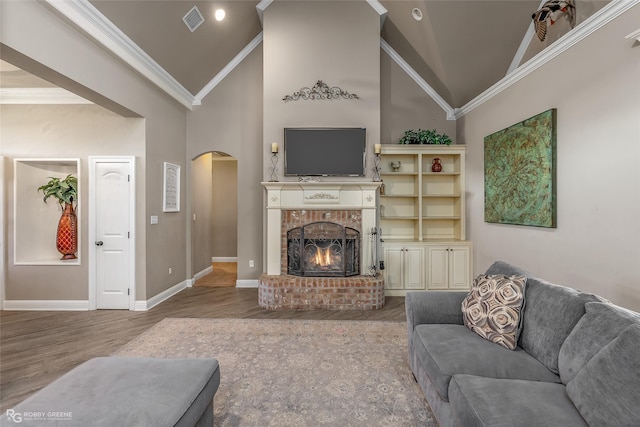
(223, 275)
(36, 347)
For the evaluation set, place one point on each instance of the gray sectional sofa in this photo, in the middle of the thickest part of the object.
(577, 362)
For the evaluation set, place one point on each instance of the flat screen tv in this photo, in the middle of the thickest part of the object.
(325, 151)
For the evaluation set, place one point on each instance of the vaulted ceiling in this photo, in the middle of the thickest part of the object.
(459, 48)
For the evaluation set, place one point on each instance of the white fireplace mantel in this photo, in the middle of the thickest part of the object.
(318, 195)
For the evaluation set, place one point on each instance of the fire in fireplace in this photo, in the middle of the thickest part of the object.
(323, 249)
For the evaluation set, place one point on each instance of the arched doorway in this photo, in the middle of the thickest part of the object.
(214, 230)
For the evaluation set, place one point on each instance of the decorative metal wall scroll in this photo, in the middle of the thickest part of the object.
(320, 91)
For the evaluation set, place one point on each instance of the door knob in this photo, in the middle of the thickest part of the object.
(99, 243)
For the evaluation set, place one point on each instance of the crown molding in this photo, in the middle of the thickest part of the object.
(451, 113)
(261, 7)
(524, 44)
(90, 20)
(375, 4)
(228, 68)
(380, 10)
(634, 35)
(49, 95)
(94, 23)
(607, 14)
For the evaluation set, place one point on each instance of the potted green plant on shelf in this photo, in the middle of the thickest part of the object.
(65, 191)
(422, 136)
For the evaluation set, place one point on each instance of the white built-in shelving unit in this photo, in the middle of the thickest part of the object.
(422, 219)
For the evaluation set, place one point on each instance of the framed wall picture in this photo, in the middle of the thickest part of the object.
(520, 173)
(171, 188)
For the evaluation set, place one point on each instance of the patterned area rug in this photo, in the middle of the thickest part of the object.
(298, 372)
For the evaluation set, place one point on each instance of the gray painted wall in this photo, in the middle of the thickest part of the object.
(595, 246)
(50, 48)
(61, 131)
(405, 106)
(225, 207)
(300, 48)
(230, 121)
(201, 207)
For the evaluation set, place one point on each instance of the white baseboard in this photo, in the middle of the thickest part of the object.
(82, 305)
(224, 259)
(246, 283)
(202, 273)
(162, 296)
(46, 305)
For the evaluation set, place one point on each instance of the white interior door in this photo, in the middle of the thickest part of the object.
(112, 223)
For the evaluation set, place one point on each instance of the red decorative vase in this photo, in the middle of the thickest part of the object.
(67, 236)
(436, 166)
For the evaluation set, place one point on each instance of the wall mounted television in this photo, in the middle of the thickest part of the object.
(325, 151)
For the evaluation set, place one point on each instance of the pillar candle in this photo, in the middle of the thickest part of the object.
(274, 147)
(377, 148)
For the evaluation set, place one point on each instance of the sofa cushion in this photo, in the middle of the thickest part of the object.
(445, 350)
(130, 391)
(607, 390)
(478, 401)
(550, 313)
(492, 308)
(598, 327)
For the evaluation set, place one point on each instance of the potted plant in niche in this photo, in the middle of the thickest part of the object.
(422, 136)
(65, 191)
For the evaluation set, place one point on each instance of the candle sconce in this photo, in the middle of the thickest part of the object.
(376, 168)
(377, 149)
(274, 162)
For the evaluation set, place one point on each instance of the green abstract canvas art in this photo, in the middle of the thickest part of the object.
(520, 173)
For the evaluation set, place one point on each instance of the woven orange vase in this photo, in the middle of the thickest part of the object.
(67, 236)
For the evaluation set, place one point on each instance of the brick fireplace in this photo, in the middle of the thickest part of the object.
(332, 213)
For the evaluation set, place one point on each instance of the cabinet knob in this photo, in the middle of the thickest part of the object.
(99, 243)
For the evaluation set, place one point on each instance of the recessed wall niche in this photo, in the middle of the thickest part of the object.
(36, 222)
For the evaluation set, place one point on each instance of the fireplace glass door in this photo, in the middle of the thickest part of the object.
(323, 249)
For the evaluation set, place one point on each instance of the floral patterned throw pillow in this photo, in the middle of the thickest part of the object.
(493, 308)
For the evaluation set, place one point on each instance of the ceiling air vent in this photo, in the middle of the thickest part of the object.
(193, 19)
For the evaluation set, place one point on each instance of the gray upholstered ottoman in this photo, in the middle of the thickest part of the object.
(125, 391)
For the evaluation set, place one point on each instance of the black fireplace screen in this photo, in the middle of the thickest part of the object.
(323, 249)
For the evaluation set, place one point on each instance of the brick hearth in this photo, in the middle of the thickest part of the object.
(286, 292)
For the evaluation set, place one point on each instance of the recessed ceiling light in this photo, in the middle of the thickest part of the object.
(220, 14)
(417, 14)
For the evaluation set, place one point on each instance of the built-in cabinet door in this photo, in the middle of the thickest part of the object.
(393, 267)
(459, 268)
(438, 267)
(427, 266)
(404, 267)
(414, 268)
(448, 267)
